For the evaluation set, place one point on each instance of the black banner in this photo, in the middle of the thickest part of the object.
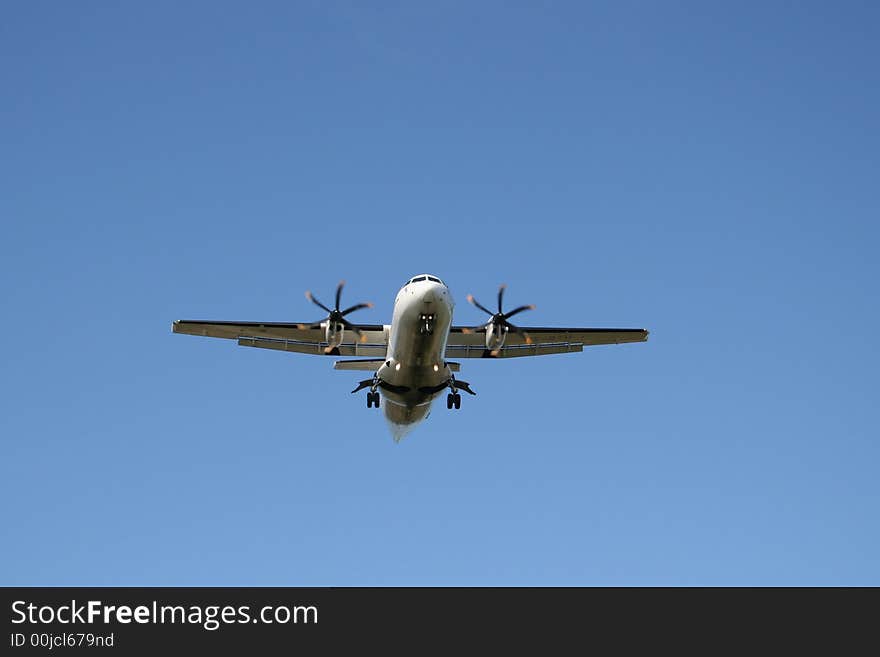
(150, 620)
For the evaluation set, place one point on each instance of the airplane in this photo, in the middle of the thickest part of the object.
(411, 358)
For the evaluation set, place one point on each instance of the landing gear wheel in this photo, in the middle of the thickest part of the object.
(456, 400)
(449, 400)
(372, 399)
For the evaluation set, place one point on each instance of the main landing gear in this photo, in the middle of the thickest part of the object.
(373, 392)
(453, 399)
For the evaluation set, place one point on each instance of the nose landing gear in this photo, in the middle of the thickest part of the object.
(426, 324)
(453, 399)
(372, 399)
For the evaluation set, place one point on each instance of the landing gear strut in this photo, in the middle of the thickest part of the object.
(373, 395)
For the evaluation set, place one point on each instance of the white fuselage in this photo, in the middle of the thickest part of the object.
(415, 370)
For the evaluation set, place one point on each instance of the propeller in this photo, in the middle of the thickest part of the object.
(499, 322)
(337, 316)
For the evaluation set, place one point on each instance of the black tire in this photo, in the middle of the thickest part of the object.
(369, 400)
(376, 399)
(449, 400)
(457, 401)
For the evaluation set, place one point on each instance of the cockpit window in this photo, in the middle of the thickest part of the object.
(417, 279)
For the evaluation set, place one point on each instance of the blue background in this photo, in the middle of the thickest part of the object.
(706, 170)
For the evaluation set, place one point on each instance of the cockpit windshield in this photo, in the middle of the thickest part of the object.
(425, 277)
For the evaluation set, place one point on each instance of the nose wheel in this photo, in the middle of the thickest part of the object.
(453, 399)
(372, 399)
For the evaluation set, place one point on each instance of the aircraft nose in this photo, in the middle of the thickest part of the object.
(431, 294)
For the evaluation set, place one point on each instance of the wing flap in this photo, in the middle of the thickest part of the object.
(373, 364)
(315, 348)
(480, 351)
(364, 365)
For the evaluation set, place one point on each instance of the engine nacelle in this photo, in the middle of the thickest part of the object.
(495, 336)
(333, 334)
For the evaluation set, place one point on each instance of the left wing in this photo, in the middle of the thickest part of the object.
(289, 336)
(464, 343)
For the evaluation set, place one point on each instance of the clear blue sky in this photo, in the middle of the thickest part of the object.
(709, 171)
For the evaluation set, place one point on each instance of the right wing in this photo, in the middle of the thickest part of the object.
(465, 343)
(290, 336)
